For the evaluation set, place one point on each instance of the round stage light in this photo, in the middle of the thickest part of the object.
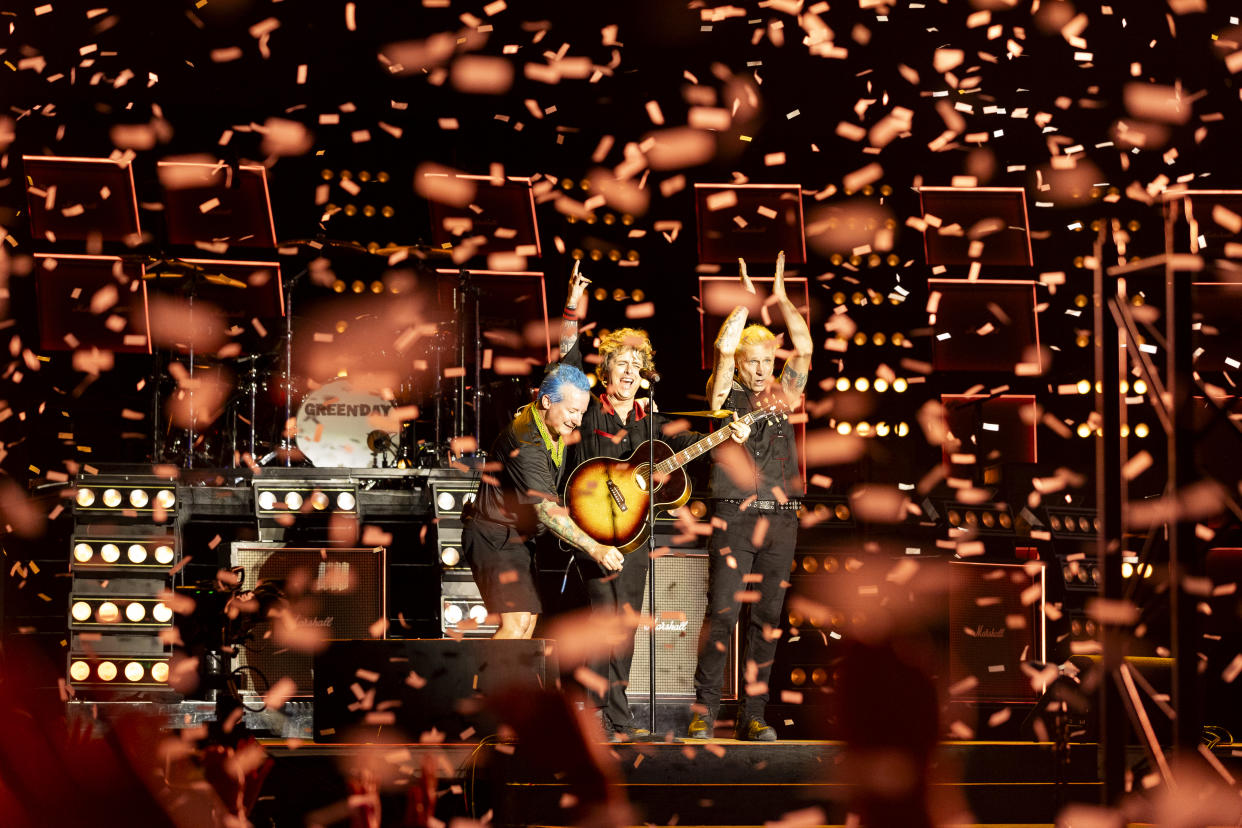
(346, 501)
(449, 556)
(320, 501)
(165, 498)
(882, 429)
(106, 670)
(863, 428)
(445, 501)
(478, 613)
(111, 498)
(1141, 430)
(1127, 569)
(161, 612)
(85, 497)
(83, 552)
(137, 553)
(79, 671)
(159, 671)
(880, 384)
(810, 564)
(1084, 387)
(109, 613)
(1140, 387)
(452, 614)
(138, 498)
(1083, 430)
(819, 676)
(842, 511)
(134, 671)
(111, 553)
(81, 611)
(902, 429)
(844, 428)
(164, 554)
(900, 385)
(135, 611)
(797, 676)
(293, 500)
(861, 384)
(267, 501)
(843, 384)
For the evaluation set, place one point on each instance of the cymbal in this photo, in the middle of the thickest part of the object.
(718, 414)
(423, 251)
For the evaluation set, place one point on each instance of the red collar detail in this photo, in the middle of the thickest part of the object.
(639, 411)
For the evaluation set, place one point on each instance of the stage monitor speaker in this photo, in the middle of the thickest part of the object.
(996, 622)
(681, 605)
(339, 592)
(397, 690)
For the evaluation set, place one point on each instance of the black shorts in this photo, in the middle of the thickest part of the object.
(503, 566)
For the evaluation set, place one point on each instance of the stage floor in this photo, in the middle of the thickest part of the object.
(714, 782)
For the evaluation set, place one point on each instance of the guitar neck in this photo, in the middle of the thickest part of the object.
(703, 446)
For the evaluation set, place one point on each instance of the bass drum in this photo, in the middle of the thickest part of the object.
(340, 427)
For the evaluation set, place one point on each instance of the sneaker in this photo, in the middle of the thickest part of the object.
(606, 725)
(702, 726)
(631, 731)
(754, 730)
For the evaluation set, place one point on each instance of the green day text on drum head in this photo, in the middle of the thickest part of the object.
(339, 426)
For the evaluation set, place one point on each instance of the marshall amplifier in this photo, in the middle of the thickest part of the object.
(681, 605)
(996, 622)
(330, 593)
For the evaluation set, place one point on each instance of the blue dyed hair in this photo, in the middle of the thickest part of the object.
(558, 377)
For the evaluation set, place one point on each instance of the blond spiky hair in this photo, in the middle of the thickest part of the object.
(755, 335)
(620, 341)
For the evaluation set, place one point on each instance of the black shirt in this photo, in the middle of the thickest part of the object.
(527, 476)
(767, 460)
(604, 434)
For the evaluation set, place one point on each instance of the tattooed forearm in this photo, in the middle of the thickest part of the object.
(731, 331)
(569, 335)
(793, 380)
(557, 519)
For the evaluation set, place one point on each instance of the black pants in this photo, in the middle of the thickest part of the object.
(610, 592)
(770, 558)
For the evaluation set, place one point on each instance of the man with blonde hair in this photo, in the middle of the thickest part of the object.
(755, 497)
(615, 425)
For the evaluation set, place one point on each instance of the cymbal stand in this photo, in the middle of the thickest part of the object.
(286, 432)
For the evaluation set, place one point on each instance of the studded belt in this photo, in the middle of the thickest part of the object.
(766, 505)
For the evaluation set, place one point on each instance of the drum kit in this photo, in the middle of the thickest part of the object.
(353, 419)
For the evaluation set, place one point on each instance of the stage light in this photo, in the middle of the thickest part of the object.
(377, 287)
(445, 500)
(1075, 625)
(795, 620)
(838, 298)
(345, 501)
(83, 552)
(110, 552)
(861, 384)
(164, 554)
(81, 611)
(79, 671)
(843, 428)
(1147, 571)
(797, 676)
(1084, 387)
(830, 564)
(1140, 387)
(902, 429)
(106, 670)
(863, 428)
(1125, 430)
(880, 384)
(900, 385)
(1055, 522)
(293, 500)
(162, 612)
(478, 613)
(449, 556)
(898, 338)
(267, 500)
(135, 611)
(338, 286)
(134, 671)
(165, 498)
(810, 565)
(987, 519)
(1141, 430)
(1082, 340)
(111, 498)
(878, 338)
(137, 553)
(320, 501)
(1083, 430)
(881, 429)
(955, 517)
(85, 497)
(1006, 521)
(453, 614)
(860, 338)
(138, 498)
(357, 285)
(108, 613)
(819, 676)
(159, 671)
(1127, 569)
(843, 384)
(1080, 301)
(842, 511)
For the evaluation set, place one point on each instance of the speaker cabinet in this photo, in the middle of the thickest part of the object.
(331, 593)
(681, 606)
(397, 690)
(996, 621)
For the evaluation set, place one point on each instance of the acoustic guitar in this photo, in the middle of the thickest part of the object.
(608, 498)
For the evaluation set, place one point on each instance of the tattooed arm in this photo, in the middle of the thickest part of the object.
(721, 380)
(573, 300)
(557, 519)
(797, 367)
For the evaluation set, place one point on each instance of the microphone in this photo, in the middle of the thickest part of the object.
(650, 375)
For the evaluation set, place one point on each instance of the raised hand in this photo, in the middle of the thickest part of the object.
(778, 285)
(746, 283)
(577, 286)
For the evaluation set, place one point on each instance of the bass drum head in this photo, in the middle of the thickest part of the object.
(341, 427)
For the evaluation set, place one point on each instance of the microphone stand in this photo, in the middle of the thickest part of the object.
(652, 379)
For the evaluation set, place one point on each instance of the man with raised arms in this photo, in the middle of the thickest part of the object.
(755, 495)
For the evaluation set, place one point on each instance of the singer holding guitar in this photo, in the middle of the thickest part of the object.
(616, 425)
(754, 493)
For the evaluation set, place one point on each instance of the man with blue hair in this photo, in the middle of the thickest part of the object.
(519, 502)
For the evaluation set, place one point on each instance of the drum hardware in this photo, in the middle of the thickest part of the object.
(341, 426)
